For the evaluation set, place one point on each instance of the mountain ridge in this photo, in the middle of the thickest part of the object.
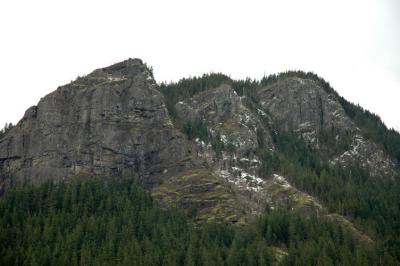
(223, 150)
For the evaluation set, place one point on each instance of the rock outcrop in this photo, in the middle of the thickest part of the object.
(302, 106)
(111, 122)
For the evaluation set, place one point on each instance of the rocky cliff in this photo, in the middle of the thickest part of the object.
(111, 122)
(302, 106)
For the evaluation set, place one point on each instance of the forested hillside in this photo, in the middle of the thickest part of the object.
(108, 221)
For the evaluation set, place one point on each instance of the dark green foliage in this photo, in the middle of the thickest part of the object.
(270, 163)
(4, 130)
(334, 142)
(313, 241)
(150, 69)
(373, 128)
(372, 203)
(114, 222)
(186, 88)
(247, 88)
(196, 129)
(217, 145)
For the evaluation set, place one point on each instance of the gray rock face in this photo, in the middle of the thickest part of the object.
(112, 122)
(238, 129)
(303, 107)
(368, 155)
(225, 114)
(231, 121)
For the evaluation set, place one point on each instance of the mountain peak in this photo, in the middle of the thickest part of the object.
(222, 150)
(129, 67)
(126, 64)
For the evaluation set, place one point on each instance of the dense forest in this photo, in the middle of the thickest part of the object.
(5, 129)
(109, 221)
(371, 203)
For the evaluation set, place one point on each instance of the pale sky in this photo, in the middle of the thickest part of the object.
(355, 45)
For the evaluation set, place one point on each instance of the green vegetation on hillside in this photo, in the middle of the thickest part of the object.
(5, 129)
(186, 88)
(373, 204)
(106, 221)
(196, 129)
(373, 128)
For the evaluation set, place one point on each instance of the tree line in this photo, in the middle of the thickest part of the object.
(112, 221)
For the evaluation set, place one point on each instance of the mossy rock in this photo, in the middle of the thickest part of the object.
(198, 191)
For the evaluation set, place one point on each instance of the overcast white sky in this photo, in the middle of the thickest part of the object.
(355, 45)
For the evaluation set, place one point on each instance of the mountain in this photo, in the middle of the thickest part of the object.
(222, 150)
